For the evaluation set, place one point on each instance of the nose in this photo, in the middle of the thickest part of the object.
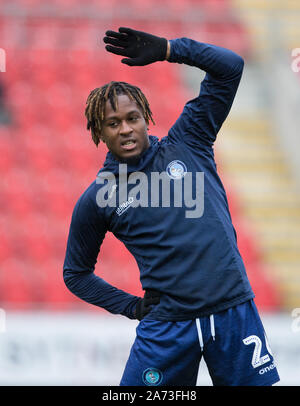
(125, 129)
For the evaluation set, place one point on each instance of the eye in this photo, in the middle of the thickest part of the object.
(134, 118)
(112, 124)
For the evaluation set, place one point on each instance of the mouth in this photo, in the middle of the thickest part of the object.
(128, 145)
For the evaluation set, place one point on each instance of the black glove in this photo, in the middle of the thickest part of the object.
(139, 47)
(144, 305)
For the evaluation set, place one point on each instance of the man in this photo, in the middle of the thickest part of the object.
(198, 300)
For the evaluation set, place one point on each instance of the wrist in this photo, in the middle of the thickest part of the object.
(168, 50)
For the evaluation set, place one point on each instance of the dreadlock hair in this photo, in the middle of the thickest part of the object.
(95, 105)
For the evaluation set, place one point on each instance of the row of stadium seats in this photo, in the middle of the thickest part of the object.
(213, 6)
(208, 20)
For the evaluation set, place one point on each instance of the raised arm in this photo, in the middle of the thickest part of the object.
(204, 115)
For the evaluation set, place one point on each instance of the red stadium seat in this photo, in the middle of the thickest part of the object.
(16, 289)
(6, 153)
(6, 246)
(57, 294)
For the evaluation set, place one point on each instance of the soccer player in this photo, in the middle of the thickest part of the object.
(165, 201)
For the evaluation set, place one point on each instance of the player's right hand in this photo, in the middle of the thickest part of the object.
(140, 48)
(145, 304)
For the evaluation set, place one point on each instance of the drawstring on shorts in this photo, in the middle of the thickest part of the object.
(199, 334)
(212, 326)
(212, 330)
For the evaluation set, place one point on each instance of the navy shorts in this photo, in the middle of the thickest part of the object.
(233, 344)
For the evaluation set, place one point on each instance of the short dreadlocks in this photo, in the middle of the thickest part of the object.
(95, 105)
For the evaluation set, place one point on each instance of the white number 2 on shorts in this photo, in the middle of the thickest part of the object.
(257, 359)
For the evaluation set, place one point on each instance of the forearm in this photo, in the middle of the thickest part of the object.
(204, 115)
(217, 61)
(94, 290)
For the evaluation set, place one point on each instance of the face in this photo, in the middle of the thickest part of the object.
(124, 131)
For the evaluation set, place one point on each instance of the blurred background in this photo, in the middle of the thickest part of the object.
(51, 57)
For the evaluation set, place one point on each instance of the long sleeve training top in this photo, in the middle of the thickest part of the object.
(187, 253)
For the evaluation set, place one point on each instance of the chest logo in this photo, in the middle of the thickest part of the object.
(176, 169)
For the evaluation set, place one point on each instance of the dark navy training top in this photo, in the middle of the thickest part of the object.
(180, 234)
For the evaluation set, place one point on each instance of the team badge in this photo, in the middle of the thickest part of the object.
(176, 169)
(152, 376)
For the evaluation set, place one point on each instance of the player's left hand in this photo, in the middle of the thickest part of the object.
(145, 304)
(139, 48)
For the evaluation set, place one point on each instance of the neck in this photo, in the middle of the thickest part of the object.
(129, 161)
